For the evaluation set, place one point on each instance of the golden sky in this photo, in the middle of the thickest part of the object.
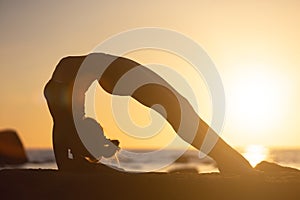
(254, 44)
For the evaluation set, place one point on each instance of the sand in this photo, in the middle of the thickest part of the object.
(53, 184)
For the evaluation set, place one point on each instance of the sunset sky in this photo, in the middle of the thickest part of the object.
(255, 46)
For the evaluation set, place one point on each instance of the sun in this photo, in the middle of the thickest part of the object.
(255, 99)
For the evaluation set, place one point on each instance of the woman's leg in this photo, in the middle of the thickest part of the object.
(179, 113)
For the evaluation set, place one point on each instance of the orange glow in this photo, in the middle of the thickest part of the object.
(255, 154)
(255, 46)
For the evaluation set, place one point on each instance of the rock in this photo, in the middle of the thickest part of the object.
(273, 168)
(11, 149)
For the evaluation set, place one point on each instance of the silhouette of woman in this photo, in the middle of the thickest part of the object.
(58, 92)
(108, 70)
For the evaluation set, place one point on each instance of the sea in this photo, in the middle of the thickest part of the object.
(174, 160)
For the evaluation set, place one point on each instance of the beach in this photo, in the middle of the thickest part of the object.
(187, 178)
(52, 184)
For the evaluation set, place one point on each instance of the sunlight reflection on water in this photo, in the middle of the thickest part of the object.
(255, 154)
(44, 159)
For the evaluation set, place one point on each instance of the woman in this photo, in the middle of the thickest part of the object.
(109, 70)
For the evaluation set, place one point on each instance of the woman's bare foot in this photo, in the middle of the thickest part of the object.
(229, 161)
(234, 163)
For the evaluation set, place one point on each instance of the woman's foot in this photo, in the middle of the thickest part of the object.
(234, 163)
(229, 161)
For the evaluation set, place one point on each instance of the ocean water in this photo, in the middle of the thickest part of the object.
(168, 160)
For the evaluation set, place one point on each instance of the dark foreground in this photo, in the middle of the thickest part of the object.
(52, 184)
